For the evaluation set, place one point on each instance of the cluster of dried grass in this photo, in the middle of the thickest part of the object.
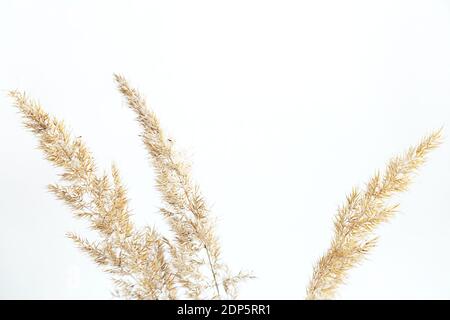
(148, 265)
(144, 263)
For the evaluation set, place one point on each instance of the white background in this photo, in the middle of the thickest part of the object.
(283, 107)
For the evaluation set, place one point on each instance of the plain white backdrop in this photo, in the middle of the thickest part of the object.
(282, 106)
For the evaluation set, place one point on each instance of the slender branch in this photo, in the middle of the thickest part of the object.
(212, 270)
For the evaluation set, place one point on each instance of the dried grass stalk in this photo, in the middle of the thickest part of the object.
(196, 247)
(363, 212)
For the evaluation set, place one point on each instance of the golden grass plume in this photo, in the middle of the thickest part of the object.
(196, 246)
(362, 213)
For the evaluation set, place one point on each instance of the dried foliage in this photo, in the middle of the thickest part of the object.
(144, 264)
(187, 262)
(362, 213)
